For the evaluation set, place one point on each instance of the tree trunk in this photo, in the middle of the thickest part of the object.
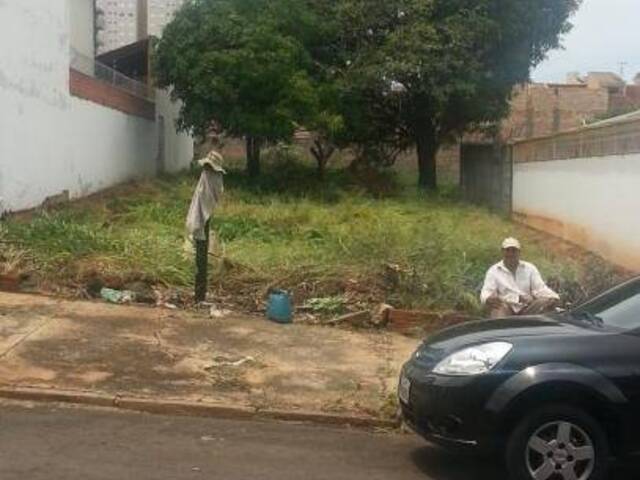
(253, 157)
(322, 154)
(427, 147)
(321, 169)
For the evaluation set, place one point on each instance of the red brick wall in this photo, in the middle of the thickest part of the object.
(536, 110)
(541, 109)
(88, 88)
(632, 93)
(627, 100)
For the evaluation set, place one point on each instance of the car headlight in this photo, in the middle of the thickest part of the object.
(474, 360)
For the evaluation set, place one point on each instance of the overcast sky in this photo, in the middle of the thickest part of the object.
(605, 33)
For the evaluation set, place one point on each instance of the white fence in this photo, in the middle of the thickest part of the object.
(584, 186)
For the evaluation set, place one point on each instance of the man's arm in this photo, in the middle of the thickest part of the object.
(490, 287)
(539, 288)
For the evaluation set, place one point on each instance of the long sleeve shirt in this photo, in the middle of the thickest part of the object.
(501, 282)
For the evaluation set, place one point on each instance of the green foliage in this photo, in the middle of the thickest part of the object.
(417, 72)
(334, 305)
(139, 234)
(241, 64)
(377, 75)
(297, 239)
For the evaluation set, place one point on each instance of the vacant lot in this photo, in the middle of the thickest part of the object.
(344, 243)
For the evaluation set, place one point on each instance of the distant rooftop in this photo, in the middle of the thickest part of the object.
(605, 79)
(596, 80)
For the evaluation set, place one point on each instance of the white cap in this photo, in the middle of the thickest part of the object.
(511, 243)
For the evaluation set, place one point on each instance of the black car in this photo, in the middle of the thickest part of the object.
(558, 394)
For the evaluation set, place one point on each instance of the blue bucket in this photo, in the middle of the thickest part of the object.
(279, 307)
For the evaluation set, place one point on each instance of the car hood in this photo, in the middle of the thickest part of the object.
(508, 328)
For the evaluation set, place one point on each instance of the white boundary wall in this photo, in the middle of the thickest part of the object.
(82, 26)
(593, 202)
(52, 142)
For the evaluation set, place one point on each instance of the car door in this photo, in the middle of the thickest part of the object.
(619, 311)
(624, 371)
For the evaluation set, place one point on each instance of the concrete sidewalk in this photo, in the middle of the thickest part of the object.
(170, 356)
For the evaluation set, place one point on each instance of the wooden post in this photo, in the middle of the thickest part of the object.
(202, 263)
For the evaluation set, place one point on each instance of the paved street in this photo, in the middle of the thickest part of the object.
(49, 442)
(68, 443)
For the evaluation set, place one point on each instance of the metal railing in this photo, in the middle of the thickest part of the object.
(621, 138)
(93, 68)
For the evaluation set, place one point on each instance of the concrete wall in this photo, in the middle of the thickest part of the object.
(592, 202)
(178, 147)
(51, 141)
(77, 157)
(82, 20)
(486, 176)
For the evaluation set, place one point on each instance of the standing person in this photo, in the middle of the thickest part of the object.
(515, 287)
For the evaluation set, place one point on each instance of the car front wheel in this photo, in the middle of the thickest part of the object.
(558, 443)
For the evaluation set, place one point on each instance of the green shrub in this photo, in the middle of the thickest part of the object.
(290, 231)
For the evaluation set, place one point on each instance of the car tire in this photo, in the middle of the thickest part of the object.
(536, 446)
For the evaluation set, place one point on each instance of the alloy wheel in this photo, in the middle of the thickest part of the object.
(560, 451)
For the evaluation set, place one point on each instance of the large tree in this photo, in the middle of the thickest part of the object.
(421, 71)
(243, 65)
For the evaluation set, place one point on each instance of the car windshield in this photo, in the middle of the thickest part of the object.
(619, 307)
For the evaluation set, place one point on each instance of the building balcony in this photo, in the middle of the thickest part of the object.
(92, 80)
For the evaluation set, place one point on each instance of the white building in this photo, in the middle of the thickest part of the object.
(118, 24)
(69, 126)
(125, 21)
(160, 13)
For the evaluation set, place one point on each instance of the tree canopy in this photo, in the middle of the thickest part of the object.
(425, 70)
(380, 75)
(241, 64)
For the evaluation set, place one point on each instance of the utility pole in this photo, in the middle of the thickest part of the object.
(622, 66)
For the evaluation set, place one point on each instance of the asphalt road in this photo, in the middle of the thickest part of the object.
(54, 442)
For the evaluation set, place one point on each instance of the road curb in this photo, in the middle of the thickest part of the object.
(191, 409)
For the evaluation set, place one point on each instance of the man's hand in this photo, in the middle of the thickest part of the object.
(526, 299)
(493, 301)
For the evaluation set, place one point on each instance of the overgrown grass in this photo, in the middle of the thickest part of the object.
(337, 239)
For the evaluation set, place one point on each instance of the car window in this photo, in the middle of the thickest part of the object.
(619, 307)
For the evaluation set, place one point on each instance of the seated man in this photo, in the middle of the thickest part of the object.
(514, 287)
